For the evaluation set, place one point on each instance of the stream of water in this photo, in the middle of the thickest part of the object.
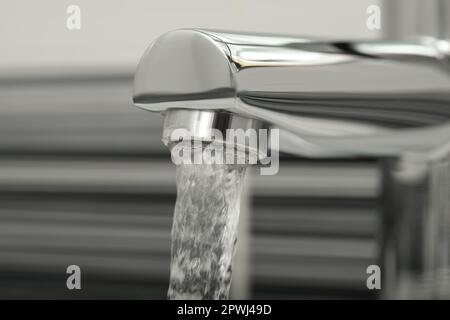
(204, 231)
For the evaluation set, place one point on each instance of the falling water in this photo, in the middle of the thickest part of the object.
(204, 230)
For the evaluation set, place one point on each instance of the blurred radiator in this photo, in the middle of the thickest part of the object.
(85, 180)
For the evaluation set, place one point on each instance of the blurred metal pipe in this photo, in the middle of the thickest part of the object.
(416, 18)
(415, 231)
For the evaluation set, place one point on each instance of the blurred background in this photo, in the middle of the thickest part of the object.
(85, 179)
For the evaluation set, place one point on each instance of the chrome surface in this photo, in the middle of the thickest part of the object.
(202, 125)
(330, 98)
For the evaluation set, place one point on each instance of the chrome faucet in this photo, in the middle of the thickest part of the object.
(329, 99)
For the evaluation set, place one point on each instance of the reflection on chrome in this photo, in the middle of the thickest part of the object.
(390, 101)
(325, 92)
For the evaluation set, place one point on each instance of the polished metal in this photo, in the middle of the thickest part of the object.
(329, 98)
(211, 126)
(333, 99)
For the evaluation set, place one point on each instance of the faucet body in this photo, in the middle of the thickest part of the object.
(332, 99)
(328, 98)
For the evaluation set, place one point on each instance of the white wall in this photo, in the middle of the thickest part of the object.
(33, 34)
